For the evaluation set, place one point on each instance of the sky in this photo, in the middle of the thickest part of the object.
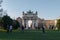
(47, 9)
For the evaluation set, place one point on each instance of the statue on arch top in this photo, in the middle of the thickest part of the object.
(30, 12)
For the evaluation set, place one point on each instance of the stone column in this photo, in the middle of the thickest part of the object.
(26, 24)
(23, 23)
(33, 24)
(36, 23)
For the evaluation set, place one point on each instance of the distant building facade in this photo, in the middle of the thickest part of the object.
(35, 21)
(50, 24)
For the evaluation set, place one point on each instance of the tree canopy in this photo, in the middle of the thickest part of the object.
(15, 24)
(6, 20)
(58, 23)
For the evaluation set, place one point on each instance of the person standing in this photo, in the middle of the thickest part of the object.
(22, 28)
(10, 28)
(43, 29)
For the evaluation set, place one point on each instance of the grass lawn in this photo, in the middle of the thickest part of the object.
(30, 35)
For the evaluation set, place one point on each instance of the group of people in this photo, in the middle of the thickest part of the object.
(9, 28)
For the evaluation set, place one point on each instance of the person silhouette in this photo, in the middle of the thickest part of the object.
(43, 29)
(22, 28)
(10, 28)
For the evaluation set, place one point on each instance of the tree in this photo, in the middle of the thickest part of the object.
(58, 23)
(16, 24)
(6, 20)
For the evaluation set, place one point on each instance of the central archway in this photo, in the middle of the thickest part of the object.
(29, 23)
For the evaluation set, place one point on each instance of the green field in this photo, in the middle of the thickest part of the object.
(30, 35)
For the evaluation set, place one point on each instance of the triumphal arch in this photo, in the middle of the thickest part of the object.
(30, 19)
